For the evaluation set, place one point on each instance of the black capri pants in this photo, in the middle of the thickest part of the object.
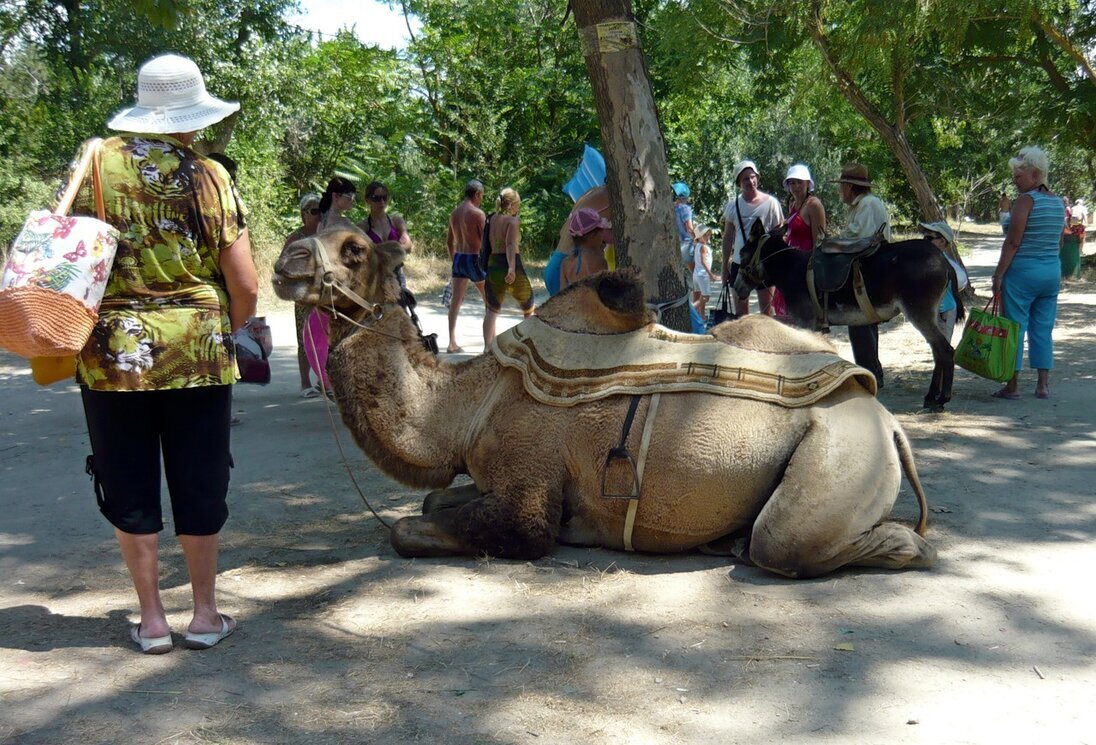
(130, 429)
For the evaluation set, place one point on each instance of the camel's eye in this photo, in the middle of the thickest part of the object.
(353, 250)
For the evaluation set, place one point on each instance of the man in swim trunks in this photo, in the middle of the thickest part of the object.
(464, 239)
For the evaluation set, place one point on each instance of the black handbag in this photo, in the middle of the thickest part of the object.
(724, 308)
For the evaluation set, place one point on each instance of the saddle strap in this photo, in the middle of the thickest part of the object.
(861, 294)
(819, 308)
(644, 445)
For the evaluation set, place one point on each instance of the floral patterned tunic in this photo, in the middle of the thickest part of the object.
(164, 321)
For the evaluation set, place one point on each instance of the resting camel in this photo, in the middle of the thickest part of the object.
(798, 491)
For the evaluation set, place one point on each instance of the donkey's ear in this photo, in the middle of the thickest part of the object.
(781, 231)
(757, 229)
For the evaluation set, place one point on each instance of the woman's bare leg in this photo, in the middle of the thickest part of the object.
(139, 551)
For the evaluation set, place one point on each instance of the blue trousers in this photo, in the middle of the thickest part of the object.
(1030, 297)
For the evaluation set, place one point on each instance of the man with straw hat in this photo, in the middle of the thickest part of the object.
(156, 376)
(867, 214)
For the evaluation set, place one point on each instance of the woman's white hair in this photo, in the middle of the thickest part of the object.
(1032, 158)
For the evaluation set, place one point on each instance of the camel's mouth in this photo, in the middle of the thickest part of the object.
(295, 287)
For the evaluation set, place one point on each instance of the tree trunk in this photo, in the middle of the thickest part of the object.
(638, 181)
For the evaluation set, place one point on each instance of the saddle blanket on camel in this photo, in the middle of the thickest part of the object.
(563, 368)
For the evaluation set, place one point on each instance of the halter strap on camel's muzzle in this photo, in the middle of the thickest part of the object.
(374, 311)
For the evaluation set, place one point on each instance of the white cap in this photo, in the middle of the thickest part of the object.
(801, 172)
(741, 166)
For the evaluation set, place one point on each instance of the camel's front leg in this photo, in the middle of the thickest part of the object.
(454, 496)
(519, 522)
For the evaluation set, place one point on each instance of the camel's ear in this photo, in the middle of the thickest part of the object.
(389, 255)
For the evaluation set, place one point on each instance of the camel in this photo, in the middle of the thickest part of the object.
(797, 491)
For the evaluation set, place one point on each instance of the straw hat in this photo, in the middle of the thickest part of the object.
(800, 172)
(855, 174)
(171, 97)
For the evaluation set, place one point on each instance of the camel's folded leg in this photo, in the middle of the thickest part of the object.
(517, 521)
(454, 496)
(819, 519)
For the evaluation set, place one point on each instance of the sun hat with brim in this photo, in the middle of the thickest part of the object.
(584, 221)
(681, 190)
(741, 166)
(800, 172)
(942, 228)
(855, 174)
(701, 230)
(171, 97)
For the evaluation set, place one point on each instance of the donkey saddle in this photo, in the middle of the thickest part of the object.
(829, 268)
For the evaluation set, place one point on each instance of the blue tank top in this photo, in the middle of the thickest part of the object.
(1043, 231)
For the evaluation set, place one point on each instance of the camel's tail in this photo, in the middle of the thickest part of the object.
(905, 455)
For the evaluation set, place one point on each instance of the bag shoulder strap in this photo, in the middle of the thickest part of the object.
(741, 227)
(91, 154)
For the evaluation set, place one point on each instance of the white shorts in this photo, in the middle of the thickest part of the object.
(702, 283)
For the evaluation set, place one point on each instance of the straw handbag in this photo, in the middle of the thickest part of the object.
(56, 273)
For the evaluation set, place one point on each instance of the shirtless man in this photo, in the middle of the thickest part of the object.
(463, 241)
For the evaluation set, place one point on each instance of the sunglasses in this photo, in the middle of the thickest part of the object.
(313, 210)
(379, 198)
(347, 193)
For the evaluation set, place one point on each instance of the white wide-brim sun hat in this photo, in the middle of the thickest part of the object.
(801, 172)
(171, 97)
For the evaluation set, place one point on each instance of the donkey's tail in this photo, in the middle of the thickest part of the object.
(905, 456)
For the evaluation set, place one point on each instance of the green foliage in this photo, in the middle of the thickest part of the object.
(498, 90)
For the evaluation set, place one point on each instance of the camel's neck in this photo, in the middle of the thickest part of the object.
(407, 411)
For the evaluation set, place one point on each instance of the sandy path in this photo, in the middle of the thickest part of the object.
(342, 641)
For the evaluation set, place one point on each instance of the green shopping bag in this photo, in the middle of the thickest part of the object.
(989, 343)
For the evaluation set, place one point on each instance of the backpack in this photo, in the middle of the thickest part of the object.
(485, 244)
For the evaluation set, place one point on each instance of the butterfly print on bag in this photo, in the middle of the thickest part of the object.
(78, 252)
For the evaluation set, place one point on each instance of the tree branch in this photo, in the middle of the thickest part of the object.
(1067, 46)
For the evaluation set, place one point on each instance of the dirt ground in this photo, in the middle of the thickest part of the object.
(343, 641)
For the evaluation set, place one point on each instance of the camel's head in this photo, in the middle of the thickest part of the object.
(603, 303)
(342, 255)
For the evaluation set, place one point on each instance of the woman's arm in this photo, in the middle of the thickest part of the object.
(512, 237)
(1021, 209)
(241, 280)
(401, 227)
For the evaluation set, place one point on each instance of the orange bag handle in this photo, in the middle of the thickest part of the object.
(92, 158)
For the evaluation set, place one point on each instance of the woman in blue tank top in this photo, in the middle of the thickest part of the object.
(1029, 271)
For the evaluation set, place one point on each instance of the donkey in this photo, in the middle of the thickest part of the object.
(909, 277)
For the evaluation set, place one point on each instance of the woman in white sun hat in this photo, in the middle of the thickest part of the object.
(806, 222)
(156, 376)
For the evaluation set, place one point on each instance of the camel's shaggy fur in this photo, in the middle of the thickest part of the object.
(805, 490)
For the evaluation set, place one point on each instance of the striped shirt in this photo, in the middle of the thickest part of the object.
(1043, 232)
